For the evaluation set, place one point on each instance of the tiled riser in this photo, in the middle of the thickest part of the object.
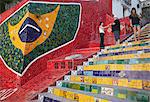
(118, 74)
(118, 67)
(118, 93)
(77, 96)
(128, 45)
(127, 52)
(127, 61)
(121, 82)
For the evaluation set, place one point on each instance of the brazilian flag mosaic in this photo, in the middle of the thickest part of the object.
(36, 29)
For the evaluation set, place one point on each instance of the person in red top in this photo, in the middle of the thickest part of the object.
(135, 23)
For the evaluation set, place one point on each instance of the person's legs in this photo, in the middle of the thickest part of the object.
(139, 32)
(102, 40)
(134, 30)
(117, 36)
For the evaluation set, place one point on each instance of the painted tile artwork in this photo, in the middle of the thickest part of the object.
(36, 29)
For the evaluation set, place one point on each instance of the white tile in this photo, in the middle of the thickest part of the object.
(74, 72)
(67, 78)
(50, 90)
(79, 68)
(59, 83)
(40, 98)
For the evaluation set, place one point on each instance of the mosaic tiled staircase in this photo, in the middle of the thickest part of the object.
(119, 73)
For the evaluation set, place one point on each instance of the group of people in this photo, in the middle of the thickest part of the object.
(134, 22)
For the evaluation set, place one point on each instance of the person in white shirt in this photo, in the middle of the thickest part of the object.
(102, 33)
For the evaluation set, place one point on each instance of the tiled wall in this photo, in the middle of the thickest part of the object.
(59, 26)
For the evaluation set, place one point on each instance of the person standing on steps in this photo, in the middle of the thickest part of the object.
(135, 23)
(102, 33)
(116, 29)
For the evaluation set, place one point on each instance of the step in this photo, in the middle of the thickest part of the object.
(47, 97)
(99, 89)
(125, 61)
(75, 85)
(122, 82)
(108, 57)
(127, 48)
(125, 55)
(145, 32)
(113, 58)
(141, 39)
(118, 74)
(127, 44)
(82, 96)
(80, 67)
(121, 52)
(124, 49)
(118, 67)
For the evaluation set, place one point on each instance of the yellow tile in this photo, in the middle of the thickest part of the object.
(70, 95)
(135, 84)
(117, 67)
(58, 92)
(128, 56)
(107, 81)
(99, 80)
(76, 78)
(122, 96)
(133, 67)
(146, 67)
(139, 84)
(94, 80)
(103, 100)
(94, 91)
(123, 82)
(95, 67)
(72, 78)
(85, 98)
(88, 79)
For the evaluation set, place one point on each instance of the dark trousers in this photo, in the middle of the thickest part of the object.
(117, 35)
(102, 40)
